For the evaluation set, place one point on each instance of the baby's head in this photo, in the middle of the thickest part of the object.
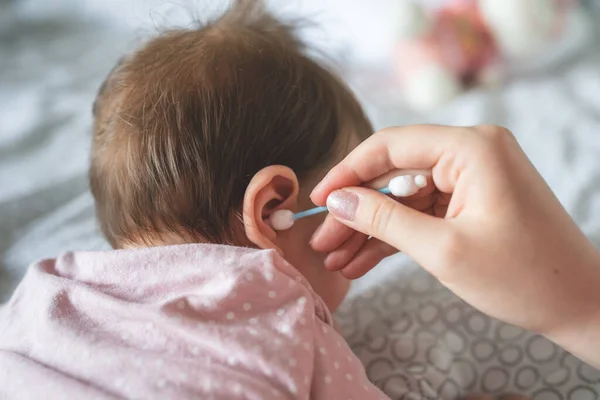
(200, 135)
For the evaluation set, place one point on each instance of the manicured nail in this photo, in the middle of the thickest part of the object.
(342, 204)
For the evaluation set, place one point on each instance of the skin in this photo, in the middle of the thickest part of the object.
(349, 251)
(307, 243)
(495, 234)
(276, 187)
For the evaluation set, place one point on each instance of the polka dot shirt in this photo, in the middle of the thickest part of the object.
(176, 322)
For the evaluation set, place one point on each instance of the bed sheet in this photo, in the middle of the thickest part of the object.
(398, 319)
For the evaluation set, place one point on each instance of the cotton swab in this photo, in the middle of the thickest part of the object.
(400, 186)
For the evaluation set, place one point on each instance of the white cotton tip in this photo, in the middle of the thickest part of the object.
(403, 186)
(421, 181)
(281, 220)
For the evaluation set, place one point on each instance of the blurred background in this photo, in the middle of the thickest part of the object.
(533, 66)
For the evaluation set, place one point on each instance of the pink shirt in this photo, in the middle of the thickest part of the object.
(179, 322)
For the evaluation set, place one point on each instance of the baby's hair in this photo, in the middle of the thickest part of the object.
(182, 125)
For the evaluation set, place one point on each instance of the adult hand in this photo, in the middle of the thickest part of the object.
(505, 244)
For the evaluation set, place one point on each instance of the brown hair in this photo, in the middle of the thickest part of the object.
(183, 124)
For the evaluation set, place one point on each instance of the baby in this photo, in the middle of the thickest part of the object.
(199, 136)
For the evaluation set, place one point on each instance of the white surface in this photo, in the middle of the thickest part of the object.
(50, 70)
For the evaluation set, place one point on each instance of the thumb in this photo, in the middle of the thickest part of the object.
(380, 216)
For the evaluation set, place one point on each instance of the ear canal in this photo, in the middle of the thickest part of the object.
(282, 192)
(271, 207)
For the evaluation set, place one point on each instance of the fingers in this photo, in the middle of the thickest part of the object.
(374, 214)
(330, 235)
(333, 234)
(418, 203)
(370, 254)
(339, 257)
(384, 180)
(414, 147)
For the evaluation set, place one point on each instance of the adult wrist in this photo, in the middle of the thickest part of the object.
(579, 331)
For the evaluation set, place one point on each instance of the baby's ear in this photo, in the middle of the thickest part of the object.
(272, 188)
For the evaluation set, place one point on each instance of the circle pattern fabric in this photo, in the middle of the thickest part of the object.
(419, 341)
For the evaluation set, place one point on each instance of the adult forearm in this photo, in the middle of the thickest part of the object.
(582, 341)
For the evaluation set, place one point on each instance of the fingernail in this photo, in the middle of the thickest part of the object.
(330, 263)
(342, 204)
(315, 234)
